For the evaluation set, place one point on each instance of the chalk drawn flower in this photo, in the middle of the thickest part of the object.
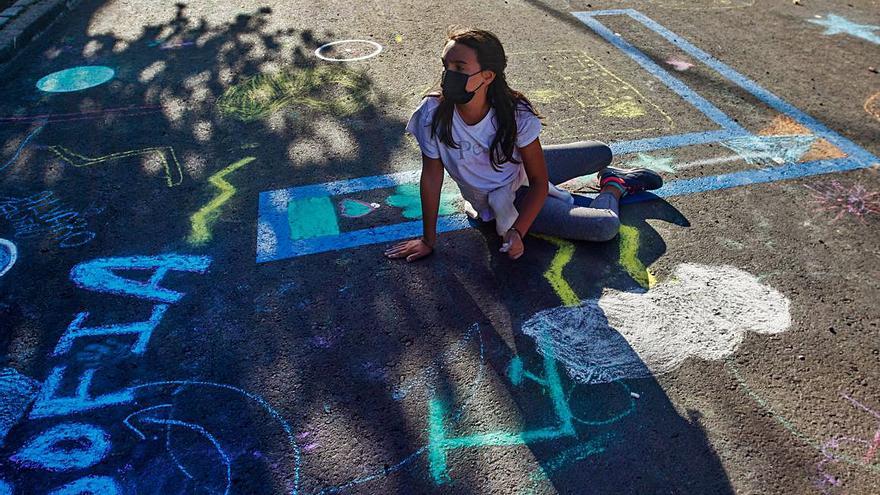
(408, 198)
(701, 311)
(840, 200)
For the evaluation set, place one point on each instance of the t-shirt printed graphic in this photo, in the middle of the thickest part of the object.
(470, 166)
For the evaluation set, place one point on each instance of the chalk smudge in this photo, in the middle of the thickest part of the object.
(702, 311)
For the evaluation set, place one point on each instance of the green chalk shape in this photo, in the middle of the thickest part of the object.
(312, 217)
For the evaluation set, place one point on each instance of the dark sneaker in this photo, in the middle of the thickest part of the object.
(633, 180)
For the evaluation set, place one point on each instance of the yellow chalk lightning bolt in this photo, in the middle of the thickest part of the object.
(629, 257)
(208, 214)
(554, 273)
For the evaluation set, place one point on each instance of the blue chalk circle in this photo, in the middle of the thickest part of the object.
(75, 79)
(8, 255)
(65, 447)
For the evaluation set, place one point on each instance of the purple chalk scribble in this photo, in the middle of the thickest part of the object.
(842, 200)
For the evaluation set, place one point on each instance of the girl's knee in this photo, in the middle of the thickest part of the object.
(608, 228)
(604, 154)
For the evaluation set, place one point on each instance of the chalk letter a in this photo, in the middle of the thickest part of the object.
(98, 275)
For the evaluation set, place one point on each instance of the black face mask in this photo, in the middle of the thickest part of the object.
(454, 84)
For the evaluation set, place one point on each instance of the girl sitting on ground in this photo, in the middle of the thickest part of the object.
(485, 135)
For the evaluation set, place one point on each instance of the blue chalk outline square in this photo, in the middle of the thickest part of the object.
(273, 232)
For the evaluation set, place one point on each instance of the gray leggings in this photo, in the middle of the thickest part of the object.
(597, 222)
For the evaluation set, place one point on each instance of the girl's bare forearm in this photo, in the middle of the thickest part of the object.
(530, 206)
(430, 185)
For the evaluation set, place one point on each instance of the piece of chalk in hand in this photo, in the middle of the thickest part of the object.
(505, 247)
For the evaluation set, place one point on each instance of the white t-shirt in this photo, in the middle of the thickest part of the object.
(470, 166)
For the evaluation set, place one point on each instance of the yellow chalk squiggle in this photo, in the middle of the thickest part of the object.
(207, 214)
(629, 257)
(554, 273)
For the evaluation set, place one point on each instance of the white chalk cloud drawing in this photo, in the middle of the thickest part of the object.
(701, 311)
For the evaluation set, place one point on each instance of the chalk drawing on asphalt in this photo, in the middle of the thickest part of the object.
(629, 258)
(250, 397)
(679, 63)
(21, 147)
(326, 88)
(833, 450)
(408, 198)
(701, 311)
(872, 106)
(43, 214)
(441, 440)
(169, 422)
(17, 392)
(835, 24)
(348, 50)
(8, 256)
(165, 155)
(598, 95)
(845, 200)
(830, 153)
(129, 111)
(75, 79)
(554, 275)
(355, 208)
(201, 220)
(64, 447)
(703, 4)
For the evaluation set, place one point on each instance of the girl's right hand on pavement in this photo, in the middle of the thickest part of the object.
(411, 250)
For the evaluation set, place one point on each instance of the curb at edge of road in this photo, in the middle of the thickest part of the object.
(20, 30)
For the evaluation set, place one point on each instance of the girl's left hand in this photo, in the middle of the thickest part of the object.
(513, 244)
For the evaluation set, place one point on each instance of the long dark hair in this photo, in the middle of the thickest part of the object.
(490, 56)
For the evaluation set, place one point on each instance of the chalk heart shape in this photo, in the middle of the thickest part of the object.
(701, 311)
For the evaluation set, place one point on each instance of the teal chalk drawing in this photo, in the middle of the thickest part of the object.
(834, 24)
(75, 79)
(569, 456)
(354, 208)
(312, 217)
(439, 441)
(8, 256)
(644, 160)
(65, 447)
(771, 150)
(16, 394)
(5, 488)
(408, 198)
(100, 275)
(104, 485)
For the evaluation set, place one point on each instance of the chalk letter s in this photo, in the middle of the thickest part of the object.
(97, 275)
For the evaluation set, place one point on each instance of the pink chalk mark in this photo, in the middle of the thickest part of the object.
(872, 450)
(303, 435)
(310, 447)
(679, 64)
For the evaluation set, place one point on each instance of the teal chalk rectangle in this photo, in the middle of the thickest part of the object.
(311, 217)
